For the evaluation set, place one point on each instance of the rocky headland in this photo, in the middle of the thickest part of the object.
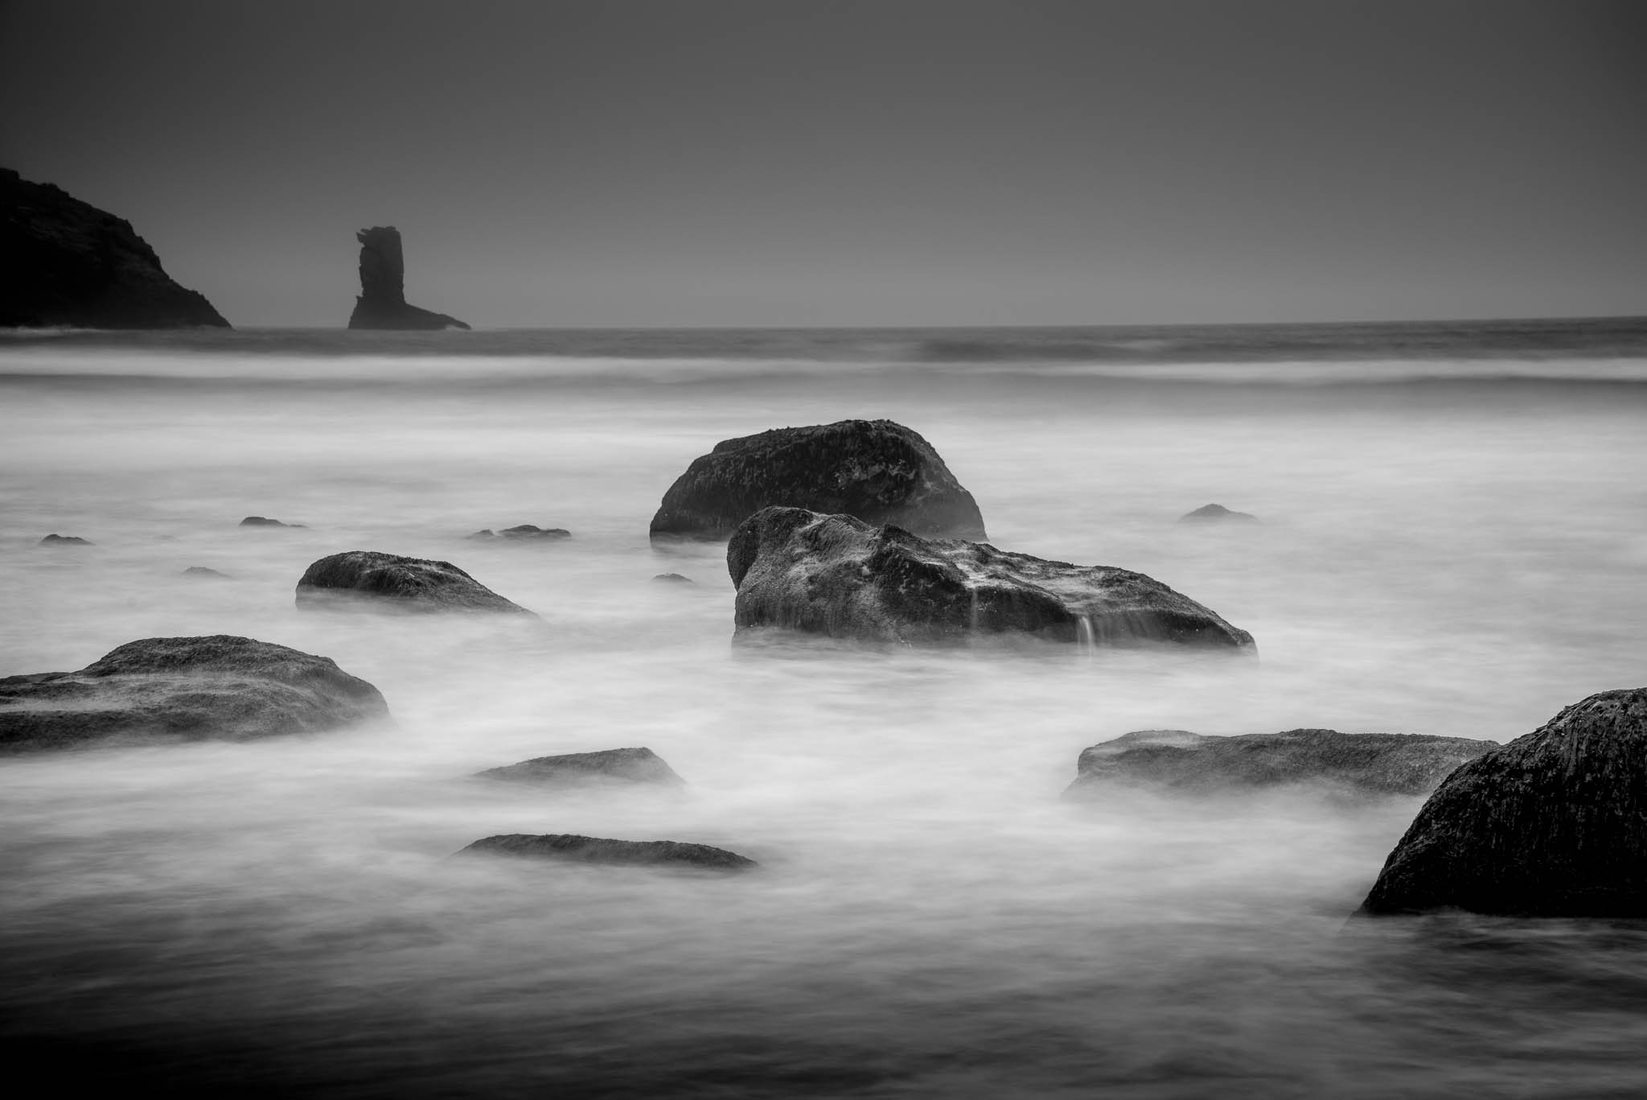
(64, 262)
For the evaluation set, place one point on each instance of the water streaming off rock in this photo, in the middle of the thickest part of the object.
(1450, 543)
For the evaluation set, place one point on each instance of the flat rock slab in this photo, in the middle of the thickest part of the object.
(1177, 760)
(627, 766)
(526, 532)
(877, 470)
(838, 576)
(1553, 824)
(218, 687)
(568, 848)
(369, 579)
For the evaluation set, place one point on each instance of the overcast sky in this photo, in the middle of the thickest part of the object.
(704, 162)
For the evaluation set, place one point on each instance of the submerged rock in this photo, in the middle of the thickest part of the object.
(876, 470)
(1553, 824)
(839, 576)
(524, 533)
(65, 262)
(1177, 760)
(589, 849)
(220, 687)
(1216, 513)
(367, 578)
(631, 765)
(65, 540)
(672, 578)
(205, 573)
(265, 521)
(382, 301)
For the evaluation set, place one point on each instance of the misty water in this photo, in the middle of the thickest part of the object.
(1453, 539)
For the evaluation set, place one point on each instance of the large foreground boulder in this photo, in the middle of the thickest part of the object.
(382, 301)
(627, 766)
(1177, 760)
(839, 576)
(589, 849)
(369, 579)
(876, 470)
(220, 688)
(65, 262)
(1554, 824)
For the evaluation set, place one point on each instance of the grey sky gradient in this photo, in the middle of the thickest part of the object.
(833, 162)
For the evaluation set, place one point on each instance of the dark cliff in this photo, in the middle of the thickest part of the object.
(382, 301)
(65, 262)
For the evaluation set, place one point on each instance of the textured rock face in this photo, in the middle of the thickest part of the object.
(1216, 513)
(589, 849)
(632, 765)
(366, 578)
(205, 688)
(839, 576)
(382, 301)
(65, 262)
(1177, 760)
(1554, 824)
(876, 470)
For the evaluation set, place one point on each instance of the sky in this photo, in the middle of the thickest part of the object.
(835, 162)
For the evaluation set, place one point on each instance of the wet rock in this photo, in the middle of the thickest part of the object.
(839, 576)
(265, 521)
(204, 573)
(1216, 513)
(876, 470)
(65, 262)
(1367, 763)
(631, 765)
(65, 540)
(524, 533)
(673, 578)
(219, 687)
(1553, 824)
(367, 578)
(382, 301)
(588, 849)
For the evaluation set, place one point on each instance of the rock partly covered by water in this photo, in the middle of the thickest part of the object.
(265, 521)
(65, 262)
(382, 301)
(1177, 760)
(630, 765)
(219, 687)
(367, 578)
(1216, 513)
(836, 575)
(876, 470)
(588, 849)
(1554, 824)
(526, 532)
(205, 573)
(55, 539)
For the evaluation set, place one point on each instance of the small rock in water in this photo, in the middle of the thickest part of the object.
(631, 765)
(1180, 761)
(202, 571)
(369, 579)
(1554, 824)
(1216, 513)
(876, 470)
(524, 533)
(265, 521)
(839, 576)
(65, 540)
(634, 853)
(673, 578)
(218, 687)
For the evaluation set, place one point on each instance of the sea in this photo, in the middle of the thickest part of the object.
(1452, 539)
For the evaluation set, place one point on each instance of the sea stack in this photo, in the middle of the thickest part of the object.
(382, 301)
(64, 262)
